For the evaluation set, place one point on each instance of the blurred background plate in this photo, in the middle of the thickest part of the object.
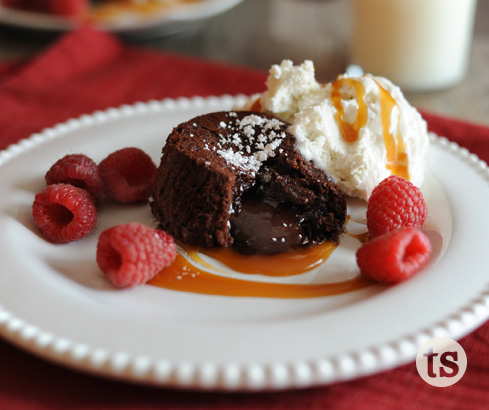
(138, 20)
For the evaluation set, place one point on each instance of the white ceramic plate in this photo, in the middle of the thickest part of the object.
(127, 23)
(55, 303)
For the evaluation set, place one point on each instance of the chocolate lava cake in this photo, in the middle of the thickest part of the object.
(235, 179)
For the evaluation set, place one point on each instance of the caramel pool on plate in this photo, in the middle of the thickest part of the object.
(184, 275)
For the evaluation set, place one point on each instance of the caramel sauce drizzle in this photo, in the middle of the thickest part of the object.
(349, 132)
(287, 264)
(256, 106)
(397, 160)
(184, 275)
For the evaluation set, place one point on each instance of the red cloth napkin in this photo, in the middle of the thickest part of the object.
(87, 71)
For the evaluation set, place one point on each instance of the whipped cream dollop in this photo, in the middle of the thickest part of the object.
(358, 130)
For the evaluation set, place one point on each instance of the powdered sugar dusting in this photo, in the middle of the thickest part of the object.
(239, 160)
(250, 141)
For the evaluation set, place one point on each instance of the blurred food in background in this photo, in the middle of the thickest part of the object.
(95, 10)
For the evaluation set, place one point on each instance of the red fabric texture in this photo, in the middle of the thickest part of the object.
(88, 70)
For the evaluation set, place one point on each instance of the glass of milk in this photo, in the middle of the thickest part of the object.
(418, 44)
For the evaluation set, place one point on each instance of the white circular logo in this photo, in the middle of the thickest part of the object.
(441, 362)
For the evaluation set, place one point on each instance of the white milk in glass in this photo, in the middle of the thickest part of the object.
(418, 44)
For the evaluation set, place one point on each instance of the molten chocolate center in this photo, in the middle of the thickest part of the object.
(263, 227)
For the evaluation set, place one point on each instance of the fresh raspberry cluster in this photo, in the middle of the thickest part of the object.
(66, 211)
(126, 175)
(396, 213)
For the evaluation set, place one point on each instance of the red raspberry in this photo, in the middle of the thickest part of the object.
(78, 170)
(128, 175)
(64, 213)
(394, 256)
(131, 254)
(395, 203)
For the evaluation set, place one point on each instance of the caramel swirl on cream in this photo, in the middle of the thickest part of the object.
(397, 159)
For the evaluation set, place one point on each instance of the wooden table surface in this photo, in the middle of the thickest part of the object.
(259, 33)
